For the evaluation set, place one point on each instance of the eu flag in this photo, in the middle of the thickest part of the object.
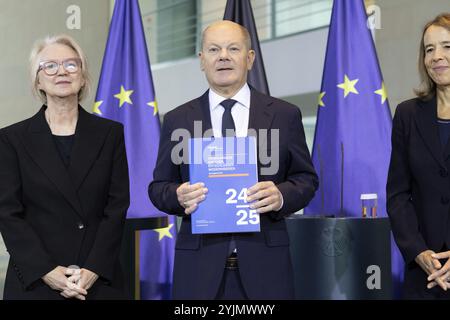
(125, 93)
(352, 145)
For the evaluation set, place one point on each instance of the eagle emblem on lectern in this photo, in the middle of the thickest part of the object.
(334, 241)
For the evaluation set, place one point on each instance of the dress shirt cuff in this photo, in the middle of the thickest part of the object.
(282, 202)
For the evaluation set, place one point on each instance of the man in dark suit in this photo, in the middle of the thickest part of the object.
(241, 265)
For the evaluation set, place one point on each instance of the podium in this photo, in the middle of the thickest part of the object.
(130, 250)
(341, 258)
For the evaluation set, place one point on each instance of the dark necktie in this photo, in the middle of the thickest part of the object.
(228, 123)
(227, 119)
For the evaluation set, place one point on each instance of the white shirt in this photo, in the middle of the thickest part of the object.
(240, 111)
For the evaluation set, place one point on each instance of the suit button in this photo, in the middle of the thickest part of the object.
(444, 200)
(443, 172)
(80, 225)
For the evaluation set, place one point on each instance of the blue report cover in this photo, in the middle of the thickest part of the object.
(227, 167)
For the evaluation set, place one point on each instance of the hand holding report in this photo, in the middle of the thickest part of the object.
(189, 195)
(227, 167)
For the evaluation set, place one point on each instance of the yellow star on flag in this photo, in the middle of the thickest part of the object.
(124, 96)
(382, 92)
(320, 101)
(96, 107)
(154, 105)
(348, 86)
(164, 232)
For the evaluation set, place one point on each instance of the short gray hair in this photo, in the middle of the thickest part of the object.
(245, 33)
(34, 64)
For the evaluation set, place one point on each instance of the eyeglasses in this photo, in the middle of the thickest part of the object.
(51, 67)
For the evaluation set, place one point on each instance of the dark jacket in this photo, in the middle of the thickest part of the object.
(418, 187)
(51, 215)
(264, 260)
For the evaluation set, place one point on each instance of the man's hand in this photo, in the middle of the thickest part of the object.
(443, 274)
(189, 195)
(268, 197)
(430, 265)
(57, 280)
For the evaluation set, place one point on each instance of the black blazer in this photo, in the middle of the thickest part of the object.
(418, 186)
(51, 215)
(264, 259)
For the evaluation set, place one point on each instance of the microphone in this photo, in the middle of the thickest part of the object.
(342, 180)
(322, 197)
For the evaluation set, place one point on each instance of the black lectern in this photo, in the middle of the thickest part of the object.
(129, 255)
(341, 258)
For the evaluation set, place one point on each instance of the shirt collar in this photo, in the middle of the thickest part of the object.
(242, 97)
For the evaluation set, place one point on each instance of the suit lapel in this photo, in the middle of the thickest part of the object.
(38, 142)
(261, 114)
(428, 128)
(200, 112)
(87, 144)
(260, 118)
(446, 153)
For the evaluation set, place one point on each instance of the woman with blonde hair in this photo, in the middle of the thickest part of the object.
(64, 189)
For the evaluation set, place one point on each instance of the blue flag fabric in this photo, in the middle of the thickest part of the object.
(126, 94)
(352, 145)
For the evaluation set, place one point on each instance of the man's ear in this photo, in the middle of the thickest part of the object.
(202, 66)
(250, 59)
